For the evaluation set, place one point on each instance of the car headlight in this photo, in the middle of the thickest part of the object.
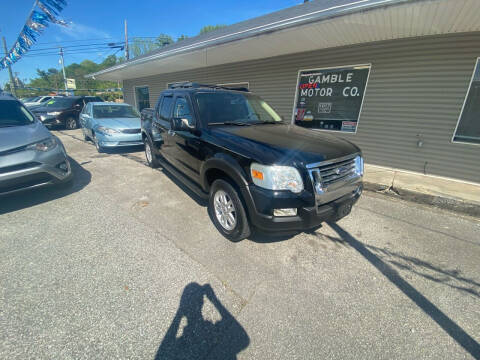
(276, 177)
(44, 145)
(106, 130)
(359, 166)
(54, 113)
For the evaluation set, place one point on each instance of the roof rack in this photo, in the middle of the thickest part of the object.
(194, 85)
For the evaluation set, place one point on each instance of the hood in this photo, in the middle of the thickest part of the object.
(44, 109)
(283, 144)
(18, 136)
(119, 123)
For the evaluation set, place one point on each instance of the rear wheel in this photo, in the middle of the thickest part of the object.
(227, 211)
(152, 160)
(71, 123)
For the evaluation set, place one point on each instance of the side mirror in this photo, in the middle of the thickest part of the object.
(77, 106)
(181, 124)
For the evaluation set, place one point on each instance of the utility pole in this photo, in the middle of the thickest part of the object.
(127, 56)
(63, 69)
(13, 86)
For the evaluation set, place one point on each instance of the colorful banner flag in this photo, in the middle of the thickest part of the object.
(43, 13)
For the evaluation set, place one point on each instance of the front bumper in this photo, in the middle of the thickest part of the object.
(49, 120)
(117, 140)
(29, 169)
(260, 204)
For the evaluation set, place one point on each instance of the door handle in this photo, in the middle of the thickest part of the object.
(171, 132)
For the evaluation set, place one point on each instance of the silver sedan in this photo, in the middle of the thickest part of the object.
(30, 156)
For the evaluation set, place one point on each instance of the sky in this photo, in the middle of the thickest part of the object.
(93, 23)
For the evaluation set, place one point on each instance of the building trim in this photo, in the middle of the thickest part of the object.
(314, 16)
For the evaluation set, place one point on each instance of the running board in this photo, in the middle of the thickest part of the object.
(183, 179)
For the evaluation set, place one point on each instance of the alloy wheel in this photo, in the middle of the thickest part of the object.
(148, 152)
(225, 210)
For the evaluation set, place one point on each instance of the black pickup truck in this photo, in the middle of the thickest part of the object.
(230, 147)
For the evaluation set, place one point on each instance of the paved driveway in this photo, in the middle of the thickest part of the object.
(127, 264)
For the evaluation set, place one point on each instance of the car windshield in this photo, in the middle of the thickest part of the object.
(114, 111)
(60, 102)
(13, 113)
(31, 99)
(239, 108)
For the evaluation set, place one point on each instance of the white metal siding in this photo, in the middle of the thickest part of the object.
(415, 92)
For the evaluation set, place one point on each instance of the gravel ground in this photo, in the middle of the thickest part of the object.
(127, 264)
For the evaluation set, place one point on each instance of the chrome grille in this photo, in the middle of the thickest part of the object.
(330, 173)
(131, 131)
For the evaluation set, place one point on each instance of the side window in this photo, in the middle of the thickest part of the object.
(182, 110)
(166, 108)
(468, 125)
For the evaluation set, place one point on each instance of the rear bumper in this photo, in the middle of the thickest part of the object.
(31, 169)
(308, 215)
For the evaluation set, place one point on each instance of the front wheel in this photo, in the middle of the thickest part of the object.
(227, 211)
(71, 123)
(97, 145)
(152, 160)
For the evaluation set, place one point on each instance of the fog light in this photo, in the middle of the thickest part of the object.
(63, 166)
(284, 212)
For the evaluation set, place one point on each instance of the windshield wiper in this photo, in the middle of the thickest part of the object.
(238, 123)
(267, 122)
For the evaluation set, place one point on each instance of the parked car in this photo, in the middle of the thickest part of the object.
(109, 125)
(28, 99)
(39, 100)
(63, 111)
(256, 171)
(30, 156)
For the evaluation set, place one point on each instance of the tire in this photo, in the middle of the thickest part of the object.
(150, 156)
(232, 224)
(97, 145)
(71, 123)
(85, 136)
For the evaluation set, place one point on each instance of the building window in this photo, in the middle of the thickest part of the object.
(142, 97)
(330, 98)
(468, 126)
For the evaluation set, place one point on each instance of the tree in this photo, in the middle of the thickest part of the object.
(182, 37)
(164, 40)
(208, 28)
(142, 46)
(53, 78)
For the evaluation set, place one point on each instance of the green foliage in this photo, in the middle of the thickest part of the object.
(53, 78)
(142, 46)
(182, 37)
(208, 28)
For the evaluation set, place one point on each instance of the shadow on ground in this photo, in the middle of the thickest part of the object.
(387, 268)
(190, 336)
(28, 198)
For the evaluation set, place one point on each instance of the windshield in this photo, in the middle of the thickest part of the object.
(62, 102)
(30, 99)
(13, 113)
(228, 107)
(114, 111)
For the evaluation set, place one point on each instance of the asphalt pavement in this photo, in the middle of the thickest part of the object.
(126, 264)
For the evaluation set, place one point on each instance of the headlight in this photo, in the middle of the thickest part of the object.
(359, 165)
(106, 130)
(276, 177)
(54, 113)
(44, 145)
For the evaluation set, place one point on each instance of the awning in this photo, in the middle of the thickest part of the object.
(320, 25)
